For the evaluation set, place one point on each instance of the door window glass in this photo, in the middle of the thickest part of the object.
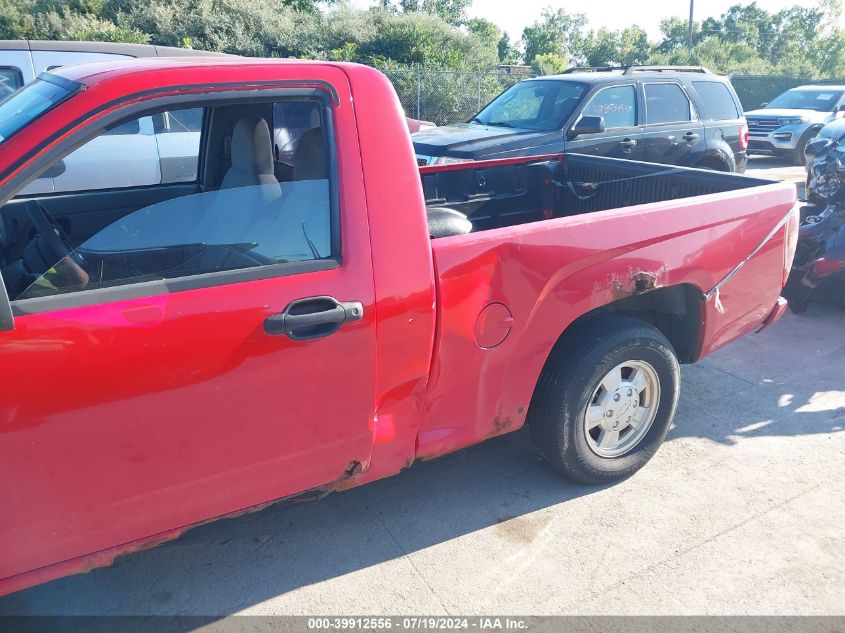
(666, 103)
(150, 150)
(252, 220)
(617, 104)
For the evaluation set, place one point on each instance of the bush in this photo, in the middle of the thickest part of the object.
(549, 64)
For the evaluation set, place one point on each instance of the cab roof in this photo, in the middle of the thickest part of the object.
(91, 73)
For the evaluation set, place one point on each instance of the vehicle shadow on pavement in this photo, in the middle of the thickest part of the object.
(232, 564)
(787, 381)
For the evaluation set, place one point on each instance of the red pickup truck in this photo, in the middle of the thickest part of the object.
(264, 324)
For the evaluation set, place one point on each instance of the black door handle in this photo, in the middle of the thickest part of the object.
(312, 318)
(690, 136)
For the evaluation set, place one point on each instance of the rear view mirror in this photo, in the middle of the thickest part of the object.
(55, 170)
(764, 104)
(817, 147)
(588, 125)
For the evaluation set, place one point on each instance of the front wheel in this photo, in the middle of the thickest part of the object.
(797, 156)
(605, 400)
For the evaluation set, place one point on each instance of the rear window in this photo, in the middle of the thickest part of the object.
(717, 99)
(666, 103)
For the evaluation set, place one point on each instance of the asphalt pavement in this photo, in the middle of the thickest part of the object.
(740, 512)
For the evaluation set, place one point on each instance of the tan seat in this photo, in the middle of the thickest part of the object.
(252, 155)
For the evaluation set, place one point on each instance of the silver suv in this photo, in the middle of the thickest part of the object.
(785, 125)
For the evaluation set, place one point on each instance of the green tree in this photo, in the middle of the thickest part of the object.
(508, 53)
(625, 47)
(453, 11)
(558, 32)
(675, 34)
(422, 38)
(485, 31)
(549, 64)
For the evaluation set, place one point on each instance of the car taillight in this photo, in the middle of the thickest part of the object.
(743, 137)
(790, 240)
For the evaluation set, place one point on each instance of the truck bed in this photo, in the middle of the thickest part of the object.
(499, 193)
(699, 254)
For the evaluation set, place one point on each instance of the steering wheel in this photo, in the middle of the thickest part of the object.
(49, 230)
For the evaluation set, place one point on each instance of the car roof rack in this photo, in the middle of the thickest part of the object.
(630, 70)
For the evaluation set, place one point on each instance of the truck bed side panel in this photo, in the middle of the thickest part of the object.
(550, 273)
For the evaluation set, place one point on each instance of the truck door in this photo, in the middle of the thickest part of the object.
(209, 351)
(673, 134)
(622, 137)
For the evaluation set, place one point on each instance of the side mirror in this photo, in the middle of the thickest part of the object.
(764, 104)
(587, 125)
(55, 170)
(817, 147)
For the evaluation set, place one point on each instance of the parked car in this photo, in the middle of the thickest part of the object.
(153, 149)
(177, 352)
(784, 126)
(676, 115)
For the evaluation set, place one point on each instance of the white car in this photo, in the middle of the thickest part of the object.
(785, 125)
(155, 149)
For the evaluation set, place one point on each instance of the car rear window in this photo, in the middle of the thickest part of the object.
(717, 99)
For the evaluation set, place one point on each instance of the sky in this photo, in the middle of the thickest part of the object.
(513, 15)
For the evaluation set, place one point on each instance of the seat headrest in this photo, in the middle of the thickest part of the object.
(251, 146)
(309, 157)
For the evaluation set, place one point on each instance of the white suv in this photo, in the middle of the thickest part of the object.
(155, 149)
(785, 125)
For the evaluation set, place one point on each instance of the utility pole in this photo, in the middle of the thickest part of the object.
(689, 28)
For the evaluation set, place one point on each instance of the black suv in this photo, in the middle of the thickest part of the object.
(678, 115)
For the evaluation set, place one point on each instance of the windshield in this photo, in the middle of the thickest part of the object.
(27, 103)
(818, 100)
(533, 105)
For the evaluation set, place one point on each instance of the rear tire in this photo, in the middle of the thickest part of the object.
(601, 365)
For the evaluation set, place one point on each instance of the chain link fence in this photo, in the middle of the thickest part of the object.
(453, 96)
(447, 96)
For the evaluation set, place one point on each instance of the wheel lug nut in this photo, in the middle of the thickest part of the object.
(609, 414)
(630, 392)
(616, 397)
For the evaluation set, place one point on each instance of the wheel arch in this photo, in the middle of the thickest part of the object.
(677, 311)
(715, 159)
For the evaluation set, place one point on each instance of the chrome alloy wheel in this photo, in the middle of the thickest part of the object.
(622, 409)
